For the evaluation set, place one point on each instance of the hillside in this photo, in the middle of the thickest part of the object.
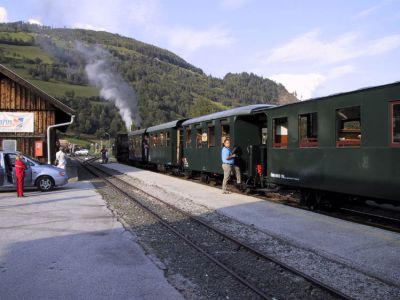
(167, 86)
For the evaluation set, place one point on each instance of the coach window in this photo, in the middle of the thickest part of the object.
(280, 126)
(155, 140)
(138, 145)
(308, 130)
(395, 114)
(348, 127)
(167, 139)
(130, 145)
(199, 143)
(211, 136)
(162, 139)
(136, 142)
(188, 138)
(264, 135)
(137, 139)
(225, 134)
(151, 141)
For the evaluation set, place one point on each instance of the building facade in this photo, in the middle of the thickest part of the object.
(26, 112)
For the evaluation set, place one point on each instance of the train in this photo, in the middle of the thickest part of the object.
(331, 149)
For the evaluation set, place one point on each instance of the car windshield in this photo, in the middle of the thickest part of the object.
(34, 160)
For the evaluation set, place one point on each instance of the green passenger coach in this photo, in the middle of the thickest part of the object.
(334, 148)
(137, 152)
(204, 136)
(347, 143)
(164, 144)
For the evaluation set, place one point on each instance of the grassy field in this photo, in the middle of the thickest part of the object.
(21, 36)
(125, 51)
(57, 89)
(30, 52)
(76, 141)
(53, 88)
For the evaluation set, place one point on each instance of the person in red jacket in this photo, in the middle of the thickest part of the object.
(20, 168)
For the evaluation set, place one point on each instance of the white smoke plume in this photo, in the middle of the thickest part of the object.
(112, 86)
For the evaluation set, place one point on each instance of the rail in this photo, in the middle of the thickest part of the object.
(240, 244)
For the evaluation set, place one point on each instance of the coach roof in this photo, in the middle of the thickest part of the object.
(238, 111)
(168, 125)
(138, 131)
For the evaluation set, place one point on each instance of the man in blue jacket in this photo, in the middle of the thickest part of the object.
(228, 163)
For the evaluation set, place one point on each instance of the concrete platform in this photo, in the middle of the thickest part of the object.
(65, 244)
(372, 251)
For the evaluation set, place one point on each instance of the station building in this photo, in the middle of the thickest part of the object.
(29, 117)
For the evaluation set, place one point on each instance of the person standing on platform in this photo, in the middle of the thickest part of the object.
(228, 163)
(107, 156)
(20, 168)
(61, 159)
(104, 154)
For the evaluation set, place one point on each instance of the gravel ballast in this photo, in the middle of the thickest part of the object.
(185, 267)
(337, 274)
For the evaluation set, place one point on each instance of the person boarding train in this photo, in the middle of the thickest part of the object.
(228, 164)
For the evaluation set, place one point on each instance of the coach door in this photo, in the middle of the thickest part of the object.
(258, 150)
(179, 145)
(263, 149)
(201, 146)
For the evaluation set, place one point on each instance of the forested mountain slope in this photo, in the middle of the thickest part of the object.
(167, 87)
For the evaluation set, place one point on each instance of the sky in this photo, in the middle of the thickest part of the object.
(313, 47)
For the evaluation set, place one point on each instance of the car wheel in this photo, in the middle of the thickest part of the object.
(45, 183)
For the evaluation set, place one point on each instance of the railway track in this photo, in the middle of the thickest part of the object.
(226, 243)
(352, 214)
(356, 214)
(381, 221)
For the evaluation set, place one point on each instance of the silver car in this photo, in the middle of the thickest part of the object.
(82, 152)
(42, 176)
